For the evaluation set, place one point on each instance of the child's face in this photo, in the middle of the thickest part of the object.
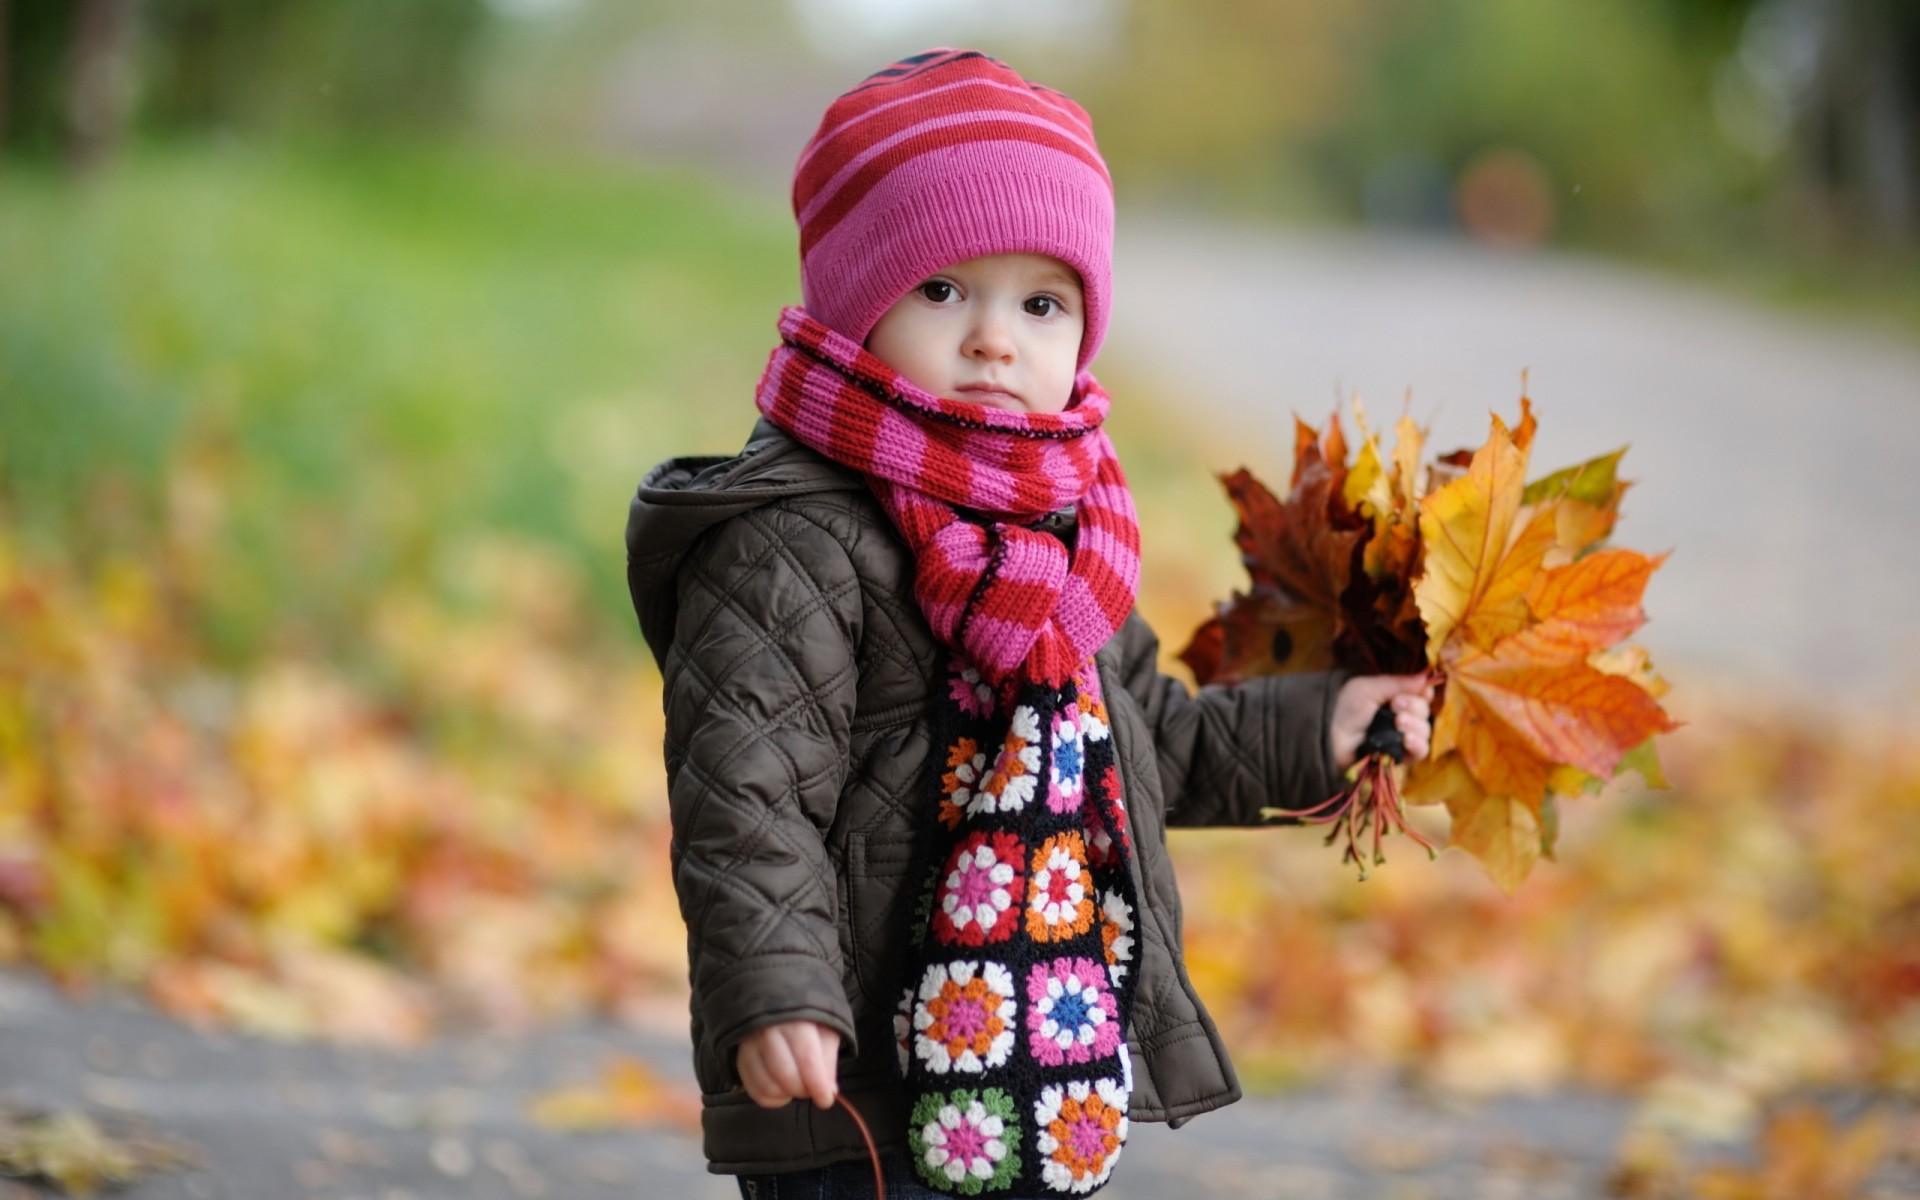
(1003, 330)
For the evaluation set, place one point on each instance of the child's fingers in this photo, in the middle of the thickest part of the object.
(754, 1076)
(1412, 715)
(796, 1060)
(1395, 689)
(816, 1049)
(1408, 685)
(781, 1068)
(1415, 731)
(1408, 697)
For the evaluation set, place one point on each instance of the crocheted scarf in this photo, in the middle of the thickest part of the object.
(1012, 1033)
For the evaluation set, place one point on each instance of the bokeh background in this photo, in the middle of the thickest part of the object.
(334, 337)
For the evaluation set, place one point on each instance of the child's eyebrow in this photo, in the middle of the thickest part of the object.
(1055, 275)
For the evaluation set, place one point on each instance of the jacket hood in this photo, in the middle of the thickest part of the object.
(682, 498)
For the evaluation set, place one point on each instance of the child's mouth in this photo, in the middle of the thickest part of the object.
(988, 395)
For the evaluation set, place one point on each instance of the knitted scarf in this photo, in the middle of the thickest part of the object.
(1012, 1031)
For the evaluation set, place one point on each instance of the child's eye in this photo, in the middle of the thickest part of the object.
(1042, 306)
(937, 290)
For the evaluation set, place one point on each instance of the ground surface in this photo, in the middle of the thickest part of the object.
(1773, 451)
(274, 1121)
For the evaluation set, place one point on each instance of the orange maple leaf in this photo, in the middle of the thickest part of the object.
(1523, 703)
(1513, 716)
(1588, 605)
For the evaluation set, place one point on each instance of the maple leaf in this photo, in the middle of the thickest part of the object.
(1631, 662)
(1588, 605)
(1644, 761)
(1299, 565)
(1439, 778)
(1366, 487)
(1524, 707)
(1310, 559)
(1503, 607)
(1409, 479)
(1502, 588)
(1589, 502)
(1504, 834)
(1513, 715)
(1382, 615)
(1466, 528)
(1314, 451)
(1261, 633)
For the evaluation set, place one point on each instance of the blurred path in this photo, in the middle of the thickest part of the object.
(1774, 453)
(279, 1121)
(287, 1121)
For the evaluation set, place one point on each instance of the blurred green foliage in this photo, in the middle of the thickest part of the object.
(1373, 109)
(374, 348)
(1665, 126)
(1606, 95)
(259, 65)
(347, 64)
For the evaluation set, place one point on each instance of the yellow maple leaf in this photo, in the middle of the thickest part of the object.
(1465, 528)
(1500, 831)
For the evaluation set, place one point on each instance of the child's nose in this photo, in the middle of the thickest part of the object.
(989, 337)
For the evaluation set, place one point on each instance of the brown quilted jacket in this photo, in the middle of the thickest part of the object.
(797, 677)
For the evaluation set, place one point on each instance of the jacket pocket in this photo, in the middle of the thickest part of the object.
(879, 909)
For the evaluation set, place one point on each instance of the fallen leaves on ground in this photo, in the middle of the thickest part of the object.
(70, 1150)
(465, 822)
(1802, 1153)
(626, 1094)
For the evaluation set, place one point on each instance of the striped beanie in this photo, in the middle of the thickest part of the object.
(942, 157)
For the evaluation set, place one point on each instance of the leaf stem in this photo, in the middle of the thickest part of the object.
(1366, 810)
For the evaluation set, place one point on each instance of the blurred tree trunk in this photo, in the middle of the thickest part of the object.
(5, 81)
(101, 92)
(1860, 126)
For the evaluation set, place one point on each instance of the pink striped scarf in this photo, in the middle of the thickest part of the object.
(1013, 600)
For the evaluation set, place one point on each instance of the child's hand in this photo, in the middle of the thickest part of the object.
(1412, 699)
(795, 1060)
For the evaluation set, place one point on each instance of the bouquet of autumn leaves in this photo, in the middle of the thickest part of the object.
(1505, 591)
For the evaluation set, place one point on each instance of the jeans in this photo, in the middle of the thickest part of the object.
(852, 1180)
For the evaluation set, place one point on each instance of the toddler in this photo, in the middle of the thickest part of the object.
(921, 761)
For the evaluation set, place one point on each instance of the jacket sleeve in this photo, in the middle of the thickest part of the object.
(759, 688)
(1229, 751)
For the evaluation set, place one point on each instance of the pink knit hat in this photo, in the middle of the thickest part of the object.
(942, 157)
